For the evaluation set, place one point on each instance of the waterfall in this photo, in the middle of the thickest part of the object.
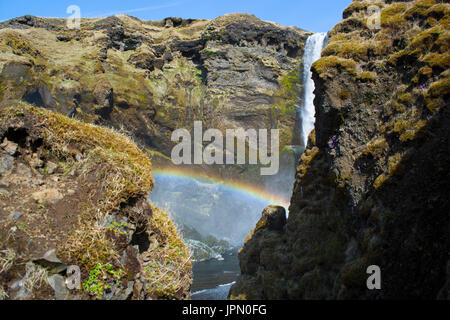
(313, 50)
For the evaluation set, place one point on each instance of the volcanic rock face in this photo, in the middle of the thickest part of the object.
(149, 78)
(372, 186)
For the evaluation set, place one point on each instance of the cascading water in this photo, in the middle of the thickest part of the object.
(313, 50)
(227, 212)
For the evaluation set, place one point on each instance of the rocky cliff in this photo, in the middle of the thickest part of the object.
(148, 78)
(75, 194)
(372, 187)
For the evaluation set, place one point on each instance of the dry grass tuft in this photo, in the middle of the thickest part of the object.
(169, 270)
(7, 258)
(35, 277)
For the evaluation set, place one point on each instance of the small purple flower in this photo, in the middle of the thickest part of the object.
(376, 110)
(356, 135)
(332, 141)
(422, 86)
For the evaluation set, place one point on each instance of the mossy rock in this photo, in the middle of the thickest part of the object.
(334, 63)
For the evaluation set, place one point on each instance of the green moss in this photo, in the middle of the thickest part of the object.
(438, 11)
(426, 71)
(443, 42)
(19, 45)
(209, 52)
(399, 107)
(100, 278)
(406, 98)
(440, 88)
(347, 49)
(366, 76)
(307, 157)
(330, 63)
(288, 96)
(344, 94)
(392, 16)
(438, 60)
(345, 25)
(425, 40)
(2, 87)
(360, 7)
(408, 129)
(431, 22)
(376, 147)
(435, 97)
(405, 56)
(419, 9)
(393, 165)
(445, 22)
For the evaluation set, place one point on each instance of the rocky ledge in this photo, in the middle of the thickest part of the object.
(74, 194)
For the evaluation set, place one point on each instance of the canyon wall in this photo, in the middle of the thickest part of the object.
(148, 78)
(372, 186)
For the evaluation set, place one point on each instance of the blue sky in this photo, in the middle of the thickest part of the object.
(313, 15)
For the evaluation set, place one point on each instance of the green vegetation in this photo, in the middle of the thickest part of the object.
(2, 87)
(288, 96)
(347, 49)
(408, 129)
(118, 228)
(406, 98)
(435, 97)
(99, 278)
(122, 175)
(438, 11)
(366, 76)
(437, 60)
(419, 9)
(376, 147)
(344, 94)
(19, 45)
(392, 16)
(360, 7)
(330, 63)
(307, 157)
(393, 165)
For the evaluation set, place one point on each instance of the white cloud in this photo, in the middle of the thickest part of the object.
(128, 11)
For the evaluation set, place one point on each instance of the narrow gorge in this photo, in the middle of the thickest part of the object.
(87, 177)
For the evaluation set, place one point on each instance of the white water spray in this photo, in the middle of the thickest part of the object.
(313, 50)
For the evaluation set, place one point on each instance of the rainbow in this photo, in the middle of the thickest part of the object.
(239, 187)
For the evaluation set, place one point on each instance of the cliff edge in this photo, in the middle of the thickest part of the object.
(75, 194)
